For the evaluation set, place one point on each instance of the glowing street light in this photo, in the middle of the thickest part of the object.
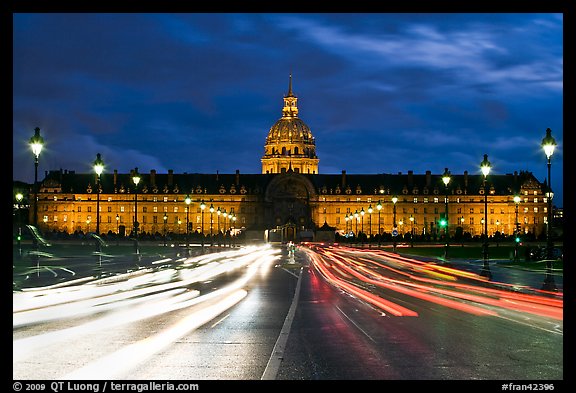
(19, 197)
(379, 207)
(202, 207)
(362, 218)
(136, 180)
(211, 215)
(446, 180)
(165, 220)
(218, 213)
(549, 144)
(411, 231)
(187, 201)
(98, 168)
(394, 230)
(485, 167)
(370, 210)
(36, 144)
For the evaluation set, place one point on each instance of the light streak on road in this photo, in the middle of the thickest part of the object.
(128, 298)
(119, 363)
(360, 271)
(385, 305)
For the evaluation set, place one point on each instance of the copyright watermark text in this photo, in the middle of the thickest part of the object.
(104, 386)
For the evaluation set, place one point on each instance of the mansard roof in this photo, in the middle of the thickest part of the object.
(324, 184)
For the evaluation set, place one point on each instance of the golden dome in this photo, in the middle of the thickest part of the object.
(290, 143)
(290, 130)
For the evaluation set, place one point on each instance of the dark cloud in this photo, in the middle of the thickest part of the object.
(199, 92)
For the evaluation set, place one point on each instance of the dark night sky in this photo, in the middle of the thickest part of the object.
(381, 92)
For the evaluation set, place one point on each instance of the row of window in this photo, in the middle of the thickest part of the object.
(471, 221)
(145, 199)
(435, 200)
(358, 199)
(458, 210)
(155, 219)
(144, 209)
(176, 209)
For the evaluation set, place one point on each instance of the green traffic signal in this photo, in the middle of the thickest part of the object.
(443, 222)
(517, 239)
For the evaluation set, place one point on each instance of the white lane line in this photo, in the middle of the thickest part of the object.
(220, 320)
(290, 272)
(355, 324)
(278, 351)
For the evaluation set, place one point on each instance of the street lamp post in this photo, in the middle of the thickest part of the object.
(19, 197)
(370, 210)
(225, 216)
(202, 207)
(187, 201)
(411, 231)
(165, 220)
(394, 200)
(36, 143)
(218, 213)
(357, 218)
(549, 144)
(136, 180)
(211, 218)
(232, 230)
(362, 223)
(98, 168)
(379, 207)
(446, 180)
(516, 238)
(485, 167)
(117, 229)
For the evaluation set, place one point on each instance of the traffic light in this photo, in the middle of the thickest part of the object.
(443, 222)
(517, 239)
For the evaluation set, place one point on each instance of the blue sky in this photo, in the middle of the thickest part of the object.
(381, 92)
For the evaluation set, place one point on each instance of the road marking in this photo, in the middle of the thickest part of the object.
(292, 273)
(355, 324)
(220, 320)
(273, 365)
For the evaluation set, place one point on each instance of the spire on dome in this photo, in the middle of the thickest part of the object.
(290, 102)
(290, 94)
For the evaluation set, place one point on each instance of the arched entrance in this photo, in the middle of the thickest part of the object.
(288, 199)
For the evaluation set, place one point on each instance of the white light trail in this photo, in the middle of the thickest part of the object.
(133, 297)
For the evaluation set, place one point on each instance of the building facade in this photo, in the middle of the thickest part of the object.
(290, 195)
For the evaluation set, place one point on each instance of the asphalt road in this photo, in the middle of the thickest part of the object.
(265, 313)
(336, 336)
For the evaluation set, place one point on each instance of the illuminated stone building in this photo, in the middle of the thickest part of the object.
(290, 198)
